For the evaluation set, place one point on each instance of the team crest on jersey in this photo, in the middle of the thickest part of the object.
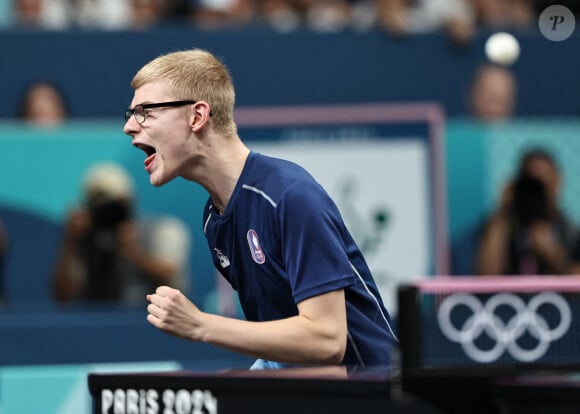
(222, 258)
(255, 247)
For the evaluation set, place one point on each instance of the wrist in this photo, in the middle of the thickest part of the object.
(200, 331)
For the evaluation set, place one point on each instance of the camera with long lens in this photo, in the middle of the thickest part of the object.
(530, 200)
(109, 214)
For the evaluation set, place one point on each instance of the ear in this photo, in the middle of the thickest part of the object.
(200, 115)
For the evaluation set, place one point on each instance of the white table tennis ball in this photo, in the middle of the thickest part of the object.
(502, 48)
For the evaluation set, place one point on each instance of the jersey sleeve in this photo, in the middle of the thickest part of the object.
(312, 236)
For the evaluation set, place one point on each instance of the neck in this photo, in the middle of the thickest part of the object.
(226, 171)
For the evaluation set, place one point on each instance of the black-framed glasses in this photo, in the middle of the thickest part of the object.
(140, 114)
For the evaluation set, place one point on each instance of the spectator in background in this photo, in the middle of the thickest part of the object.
(280, 15)
(98, 14)
(528, 233)
(43, 104)
(407, 17)
(39, 14)
(504, 14)
(94, 14)
(328, 15)
(492, 94)
(145, 14)
(220, 14)
(110, 255)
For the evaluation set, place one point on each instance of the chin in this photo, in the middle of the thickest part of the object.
(158, 178)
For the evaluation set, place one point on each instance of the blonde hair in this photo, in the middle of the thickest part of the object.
(198, 75)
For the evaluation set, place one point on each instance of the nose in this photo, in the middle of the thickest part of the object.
(131, 126)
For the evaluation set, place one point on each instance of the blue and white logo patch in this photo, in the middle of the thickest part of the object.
(255, 247)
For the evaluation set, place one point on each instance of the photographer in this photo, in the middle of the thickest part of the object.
(108, 255)
(529, 234)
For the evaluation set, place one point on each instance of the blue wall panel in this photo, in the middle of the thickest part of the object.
(95, 68)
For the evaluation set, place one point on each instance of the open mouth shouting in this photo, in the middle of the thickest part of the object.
(151, 153)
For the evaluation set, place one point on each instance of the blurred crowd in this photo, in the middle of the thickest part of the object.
(460, 18)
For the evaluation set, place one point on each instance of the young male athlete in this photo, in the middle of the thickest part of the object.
(273, 232)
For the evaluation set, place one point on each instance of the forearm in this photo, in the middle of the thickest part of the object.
(492, 251)
(294, 340)
(555, 257)
(557, 261)
(151, 262)
(573, 268)
(68, 278)
(546, 245)
(158, 270)
(317, 335)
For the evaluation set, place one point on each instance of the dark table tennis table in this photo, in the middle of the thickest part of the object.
(338, 390)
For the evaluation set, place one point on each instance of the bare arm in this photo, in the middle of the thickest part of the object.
(317, 335)
(492, 251)
(69, 278)
(547, 246)
(159, 270)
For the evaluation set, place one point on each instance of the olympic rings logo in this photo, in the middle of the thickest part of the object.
(483, 319)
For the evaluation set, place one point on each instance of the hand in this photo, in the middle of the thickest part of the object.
(507, 198)
(77, 225)
(546, 245)
(542, 238)
(170, 311)
(127, 238)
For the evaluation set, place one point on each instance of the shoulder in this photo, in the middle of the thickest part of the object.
(279, 168)
(278, 178)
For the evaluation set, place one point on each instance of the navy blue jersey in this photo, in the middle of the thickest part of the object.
(281, 240)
